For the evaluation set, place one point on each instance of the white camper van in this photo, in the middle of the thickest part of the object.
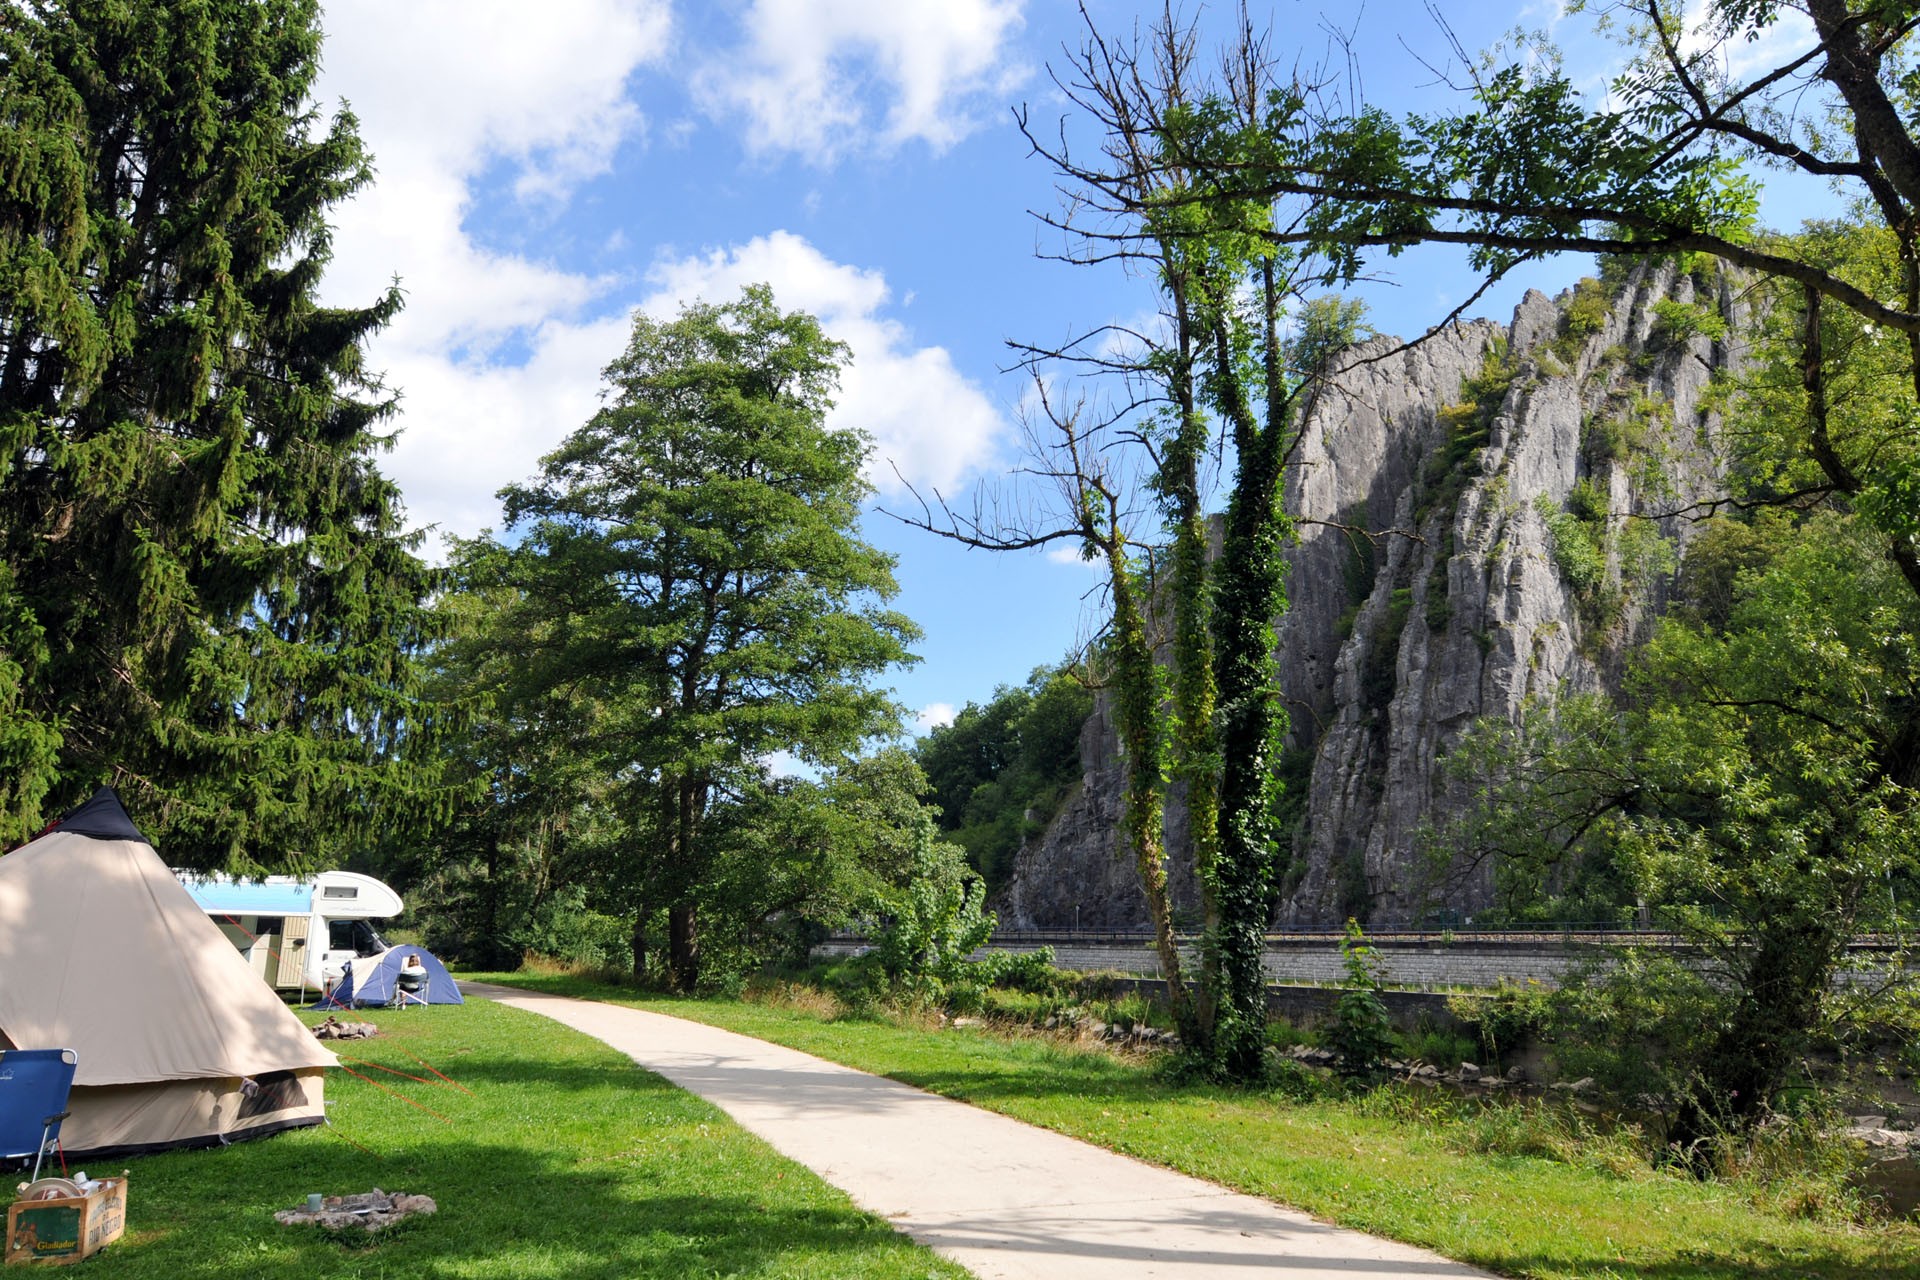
(297, 933)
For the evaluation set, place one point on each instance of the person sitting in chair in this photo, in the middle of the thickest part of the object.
(412, 979)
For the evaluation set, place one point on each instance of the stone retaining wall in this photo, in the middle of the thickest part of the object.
(1309, 962)
(1432, 961)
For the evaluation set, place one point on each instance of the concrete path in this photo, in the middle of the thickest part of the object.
(1004, 1199)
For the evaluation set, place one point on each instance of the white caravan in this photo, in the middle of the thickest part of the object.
(297, 933)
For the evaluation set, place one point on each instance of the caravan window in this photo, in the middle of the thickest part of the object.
(356, 936)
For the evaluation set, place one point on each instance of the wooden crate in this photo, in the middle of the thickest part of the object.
(69, 1228)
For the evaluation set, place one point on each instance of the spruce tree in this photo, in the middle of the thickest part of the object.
(206, 594)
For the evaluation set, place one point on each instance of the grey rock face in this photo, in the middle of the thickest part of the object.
(1080, 873)
(1425, 593)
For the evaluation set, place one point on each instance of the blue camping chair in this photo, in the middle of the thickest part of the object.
(34, 1084)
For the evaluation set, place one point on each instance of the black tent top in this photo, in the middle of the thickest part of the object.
(102, 817)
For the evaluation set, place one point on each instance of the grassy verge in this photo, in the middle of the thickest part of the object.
(1392, 1164)
(564, 1160)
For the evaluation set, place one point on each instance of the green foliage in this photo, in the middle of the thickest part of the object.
(1325, 326)
(1756, 795)
(688, 597)
(469, 918)
(1377, 669)
(1587, 503)
(1643, 1028)
(1579, 553)
(1000, 772)
(1677, 322)
(931, 927)
(1645, 553)
(1441, 1048)
(1503, 767)
(1584, 315)
(1579, 538)
(1469, 425)
(1249, 350)
(1029, 971)
(1611, 437)
(795, 859)
(208, 595)
(1362, 563)
(1718, 558)
(1507, 1021)
(1853, 433)
(1439, 605)
(1576, 551)
(1360, 1031)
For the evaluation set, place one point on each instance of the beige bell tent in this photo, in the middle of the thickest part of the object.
(180, 1043)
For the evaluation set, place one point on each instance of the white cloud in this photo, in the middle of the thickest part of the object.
(452, 84)
(472, 427)
(932, 716)
(449, 91)
(1069, 554)
(928, 421)
(808, 70)
(1789, 36)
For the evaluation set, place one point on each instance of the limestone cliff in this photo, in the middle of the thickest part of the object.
(1528, 479)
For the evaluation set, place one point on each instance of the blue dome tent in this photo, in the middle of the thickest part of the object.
(373, 980)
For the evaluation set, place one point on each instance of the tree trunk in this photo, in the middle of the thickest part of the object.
(640, 944)
(490, 903)
(683, 946)
(1250, 594)
(1137, 703)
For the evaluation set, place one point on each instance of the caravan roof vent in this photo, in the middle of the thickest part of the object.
(340, 891)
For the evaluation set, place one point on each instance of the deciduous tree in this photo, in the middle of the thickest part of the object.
(689, 560)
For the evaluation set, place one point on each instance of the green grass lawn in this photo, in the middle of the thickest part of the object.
(1384, 1166)
(564, 1161)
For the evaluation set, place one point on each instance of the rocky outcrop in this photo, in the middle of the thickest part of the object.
(1079, 874)
(1429, 587)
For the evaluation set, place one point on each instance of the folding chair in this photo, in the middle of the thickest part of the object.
(409, 988)
(34, 1084)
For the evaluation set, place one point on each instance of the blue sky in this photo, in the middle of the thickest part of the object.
(542, 177)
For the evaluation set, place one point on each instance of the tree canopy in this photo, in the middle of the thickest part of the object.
(1002, 769)
(689, 599)
(1239, 189)
(207, 596)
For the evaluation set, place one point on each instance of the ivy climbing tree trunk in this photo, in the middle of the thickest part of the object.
(1240, 354)
(1196, 750)
(1250, 593)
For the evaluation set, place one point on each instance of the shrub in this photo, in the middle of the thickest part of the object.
(1576, 552)
(1360, 1032)
(1506, 1021)
(1679, 321)
(1587, 503)
(1443, 1049)
(1585, 315)
(932, 927)
(1029, 971)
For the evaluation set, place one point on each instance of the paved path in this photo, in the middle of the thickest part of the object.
(1004, 1199)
